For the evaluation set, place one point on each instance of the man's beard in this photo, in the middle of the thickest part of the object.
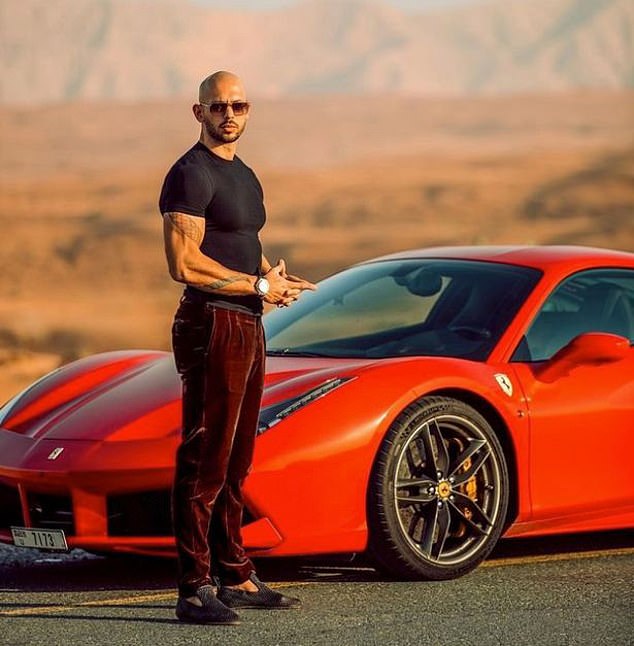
(224, 137)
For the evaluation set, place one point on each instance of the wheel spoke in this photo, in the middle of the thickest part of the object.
(415, 482)
(428, 449)
(429, 529)
(423, 491)
(442, 461)
(476, 513)
(404, 501)
(473, 447)
(435, 530)
(442, 522)
(435, 460)
(414, 523)
(414, 468)
(422, 443)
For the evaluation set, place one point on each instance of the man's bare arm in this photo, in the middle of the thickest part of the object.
(187, 264)
(188, 226)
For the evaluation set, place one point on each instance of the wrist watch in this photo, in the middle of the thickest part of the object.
(261, 287)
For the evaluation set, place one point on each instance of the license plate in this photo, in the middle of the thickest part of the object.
(44, 539)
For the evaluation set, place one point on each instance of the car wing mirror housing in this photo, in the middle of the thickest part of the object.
(591, 348)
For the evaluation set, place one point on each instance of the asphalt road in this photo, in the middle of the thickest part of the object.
(570, 591)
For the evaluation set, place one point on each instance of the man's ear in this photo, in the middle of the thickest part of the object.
(197, 109)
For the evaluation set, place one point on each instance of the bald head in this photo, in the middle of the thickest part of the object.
(209, 87)
(223, 111)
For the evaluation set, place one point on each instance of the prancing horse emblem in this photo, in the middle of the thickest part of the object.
(55, 453)
(505, 383)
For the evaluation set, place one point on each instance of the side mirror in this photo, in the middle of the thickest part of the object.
(592, 348)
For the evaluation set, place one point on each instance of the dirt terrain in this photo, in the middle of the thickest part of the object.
(345, 179)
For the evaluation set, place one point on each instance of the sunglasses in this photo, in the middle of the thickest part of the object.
(220, 107)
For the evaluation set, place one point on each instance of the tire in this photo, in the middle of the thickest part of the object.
(438, 493)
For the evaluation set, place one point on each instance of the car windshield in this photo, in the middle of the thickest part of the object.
(395, 308)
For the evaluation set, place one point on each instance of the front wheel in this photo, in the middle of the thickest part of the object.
(438, 493)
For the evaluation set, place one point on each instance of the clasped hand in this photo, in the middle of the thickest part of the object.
(284, 288)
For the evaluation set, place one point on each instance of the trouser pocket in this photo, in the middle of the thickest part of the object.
(191, 332)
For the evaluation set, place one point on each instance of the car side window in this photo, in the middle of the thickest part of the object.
(599, 300)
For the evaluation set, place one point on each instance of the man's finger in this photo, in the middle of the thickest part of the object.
(304, 284)
(281, 263)
(301, 282)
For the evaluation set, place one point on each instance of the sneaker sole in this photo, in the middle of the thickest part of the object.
(257, 607)
(210, 622)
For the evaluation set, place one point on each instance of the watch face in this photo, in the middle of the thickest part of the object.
(262, 286)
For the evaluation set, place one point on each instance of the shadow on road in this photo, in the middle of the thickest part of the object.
(34, 571)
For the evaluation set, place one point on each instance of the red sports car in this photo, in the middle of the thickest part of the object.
(417, 407)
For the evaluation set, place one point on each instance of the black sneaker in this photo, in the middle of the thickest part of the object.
(264, 598)
(212, 611)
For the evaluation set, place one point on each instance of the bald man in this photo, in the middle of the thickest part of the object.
(212, 206)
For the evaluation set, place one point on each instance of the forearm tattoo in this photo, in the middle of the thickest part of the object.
(187, 226)
(223, 282)
(190, 227)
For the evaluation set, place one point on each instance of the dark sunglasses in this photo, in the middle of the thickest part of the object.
(220, 107)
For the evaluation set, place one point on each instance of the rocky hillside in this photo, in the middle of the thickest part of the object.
(130, 50)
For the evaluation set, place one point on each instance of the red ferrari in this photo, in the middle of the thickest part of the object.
(417, 407)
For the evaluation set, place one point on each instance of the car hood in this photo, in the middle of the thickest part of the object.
(288, 376)
(130, 395)
(136, 396)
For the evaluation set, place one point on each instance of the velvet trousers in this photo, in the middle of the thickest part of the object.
(219, 355)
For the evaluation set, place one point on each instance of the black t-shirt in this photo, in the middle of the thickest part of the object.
(229, 196)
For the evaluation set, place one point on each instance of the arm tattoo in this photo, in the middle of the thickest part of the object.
(187, 225)
(223, 282)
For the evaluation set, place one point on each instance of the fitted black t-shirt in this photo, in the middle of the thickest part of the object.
(229, 196)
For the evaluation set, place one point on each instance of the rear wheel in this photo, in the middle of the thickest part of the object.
(438, 493)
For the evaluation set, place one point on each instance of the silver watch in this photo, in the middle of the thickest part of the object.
(262, 287)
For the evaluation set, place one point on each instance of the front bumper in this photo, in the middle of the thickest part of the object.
(105, 496)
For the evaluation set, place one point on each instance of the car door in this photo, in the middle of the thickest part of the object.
(581, 413)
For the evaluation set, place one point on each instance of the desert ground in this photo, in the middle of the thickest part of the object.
(345, 178)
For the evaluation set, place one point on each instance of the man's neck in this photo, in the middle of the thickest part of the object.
(225, 151)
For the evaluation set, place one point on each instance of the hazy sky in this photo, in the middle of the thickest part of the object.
(272, 4)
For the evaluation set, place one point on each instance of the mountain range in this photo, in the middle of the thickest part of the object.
(144, 50)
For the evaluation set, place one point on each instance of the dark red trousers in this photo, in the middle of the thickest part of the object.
(219, 354)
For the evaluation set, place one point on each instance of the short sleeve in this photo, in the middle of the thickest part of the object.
(187, 189)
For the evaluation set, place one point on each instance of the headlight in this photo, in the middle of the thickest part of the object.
(271, 415)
